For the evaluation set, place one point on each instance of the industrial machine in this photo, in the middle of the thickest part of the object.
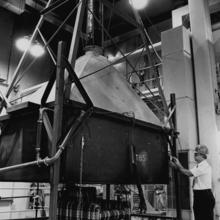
(97, 131)
(111, 141)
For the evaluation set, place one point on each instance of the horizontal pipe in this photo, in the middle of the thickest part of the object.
(46, 161)
(22, 165)
(14, 197)
(49, 161)
(120, 59)
(40, 218)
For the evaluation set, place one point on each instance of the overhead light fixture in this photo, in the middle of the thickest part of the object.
(35, 49)
(138, 4)
(22, 43)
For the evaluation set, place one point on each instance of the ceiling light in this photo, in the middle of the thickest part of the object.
(138, 4)
(22, 43)
(37, 50)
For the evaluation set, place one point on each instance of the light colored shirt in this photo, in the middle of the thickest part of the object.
(202, 176)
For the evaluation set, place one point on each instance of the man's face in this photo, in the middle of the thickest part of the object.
(198, 157)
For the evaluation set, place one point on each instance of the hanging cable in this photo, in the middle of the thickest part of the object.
(153, 26)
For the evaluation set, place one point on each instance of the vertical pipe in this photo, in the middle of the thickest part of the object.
(39, 134)
(194, 84)
(93, 29)
(175, 153)
(90, 23)
(74, 44)
(57, 130)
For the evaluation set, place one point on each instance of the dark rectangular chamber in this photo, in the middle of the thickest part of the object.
(106, 157)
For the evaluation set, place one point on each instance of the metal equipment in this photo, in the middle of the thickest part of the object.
(42, 142)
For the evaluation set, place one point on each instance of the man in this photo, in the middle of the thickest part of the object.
(204, 201)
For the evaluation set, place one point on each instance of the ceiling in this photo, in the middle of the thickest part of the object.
(156, 11)
(116, 15)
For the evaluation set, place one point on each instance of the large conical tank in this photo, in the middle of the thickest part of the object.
(107, 88)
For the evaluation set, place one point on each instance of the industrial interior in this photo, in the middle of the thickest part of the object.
(96, 96)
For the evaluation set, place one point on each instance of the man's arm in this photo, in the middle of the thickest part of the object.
(185, 172)
(181, 168)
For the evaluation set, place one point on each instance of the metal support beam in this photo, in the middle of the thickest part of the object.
(48, 48)
(51, 17)
(145, 37)
(75, 43)
(206, 86)
(16, 73)
(54, 6)
(48, 126)
(57, 130)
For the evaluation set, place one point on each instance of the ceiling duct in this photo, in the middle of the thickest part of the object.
(17, 7)
(93, 30)
(90, 22)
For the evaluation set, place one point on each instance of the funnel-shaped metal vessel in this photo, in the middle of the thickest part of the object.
(107, 88)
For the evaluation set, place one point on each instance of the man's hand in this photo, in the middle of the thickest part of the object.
(176, 162)
(172, 162)
(178, 166)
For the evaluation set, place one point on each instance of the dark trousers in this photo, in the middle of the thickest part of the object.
(203, 205)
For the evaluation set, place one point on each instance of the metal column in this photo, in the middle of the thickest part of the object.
(75, 42)
(175, 153)
(57, 130)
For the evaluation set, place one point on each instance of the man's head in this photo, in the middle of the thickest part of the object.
(201, 152)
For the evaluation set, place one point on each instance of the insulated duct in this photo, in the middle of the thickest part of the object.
(93, 29)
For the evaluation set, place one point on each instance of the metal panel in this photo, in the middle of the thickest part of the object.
(17, 145)
(106, 157)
